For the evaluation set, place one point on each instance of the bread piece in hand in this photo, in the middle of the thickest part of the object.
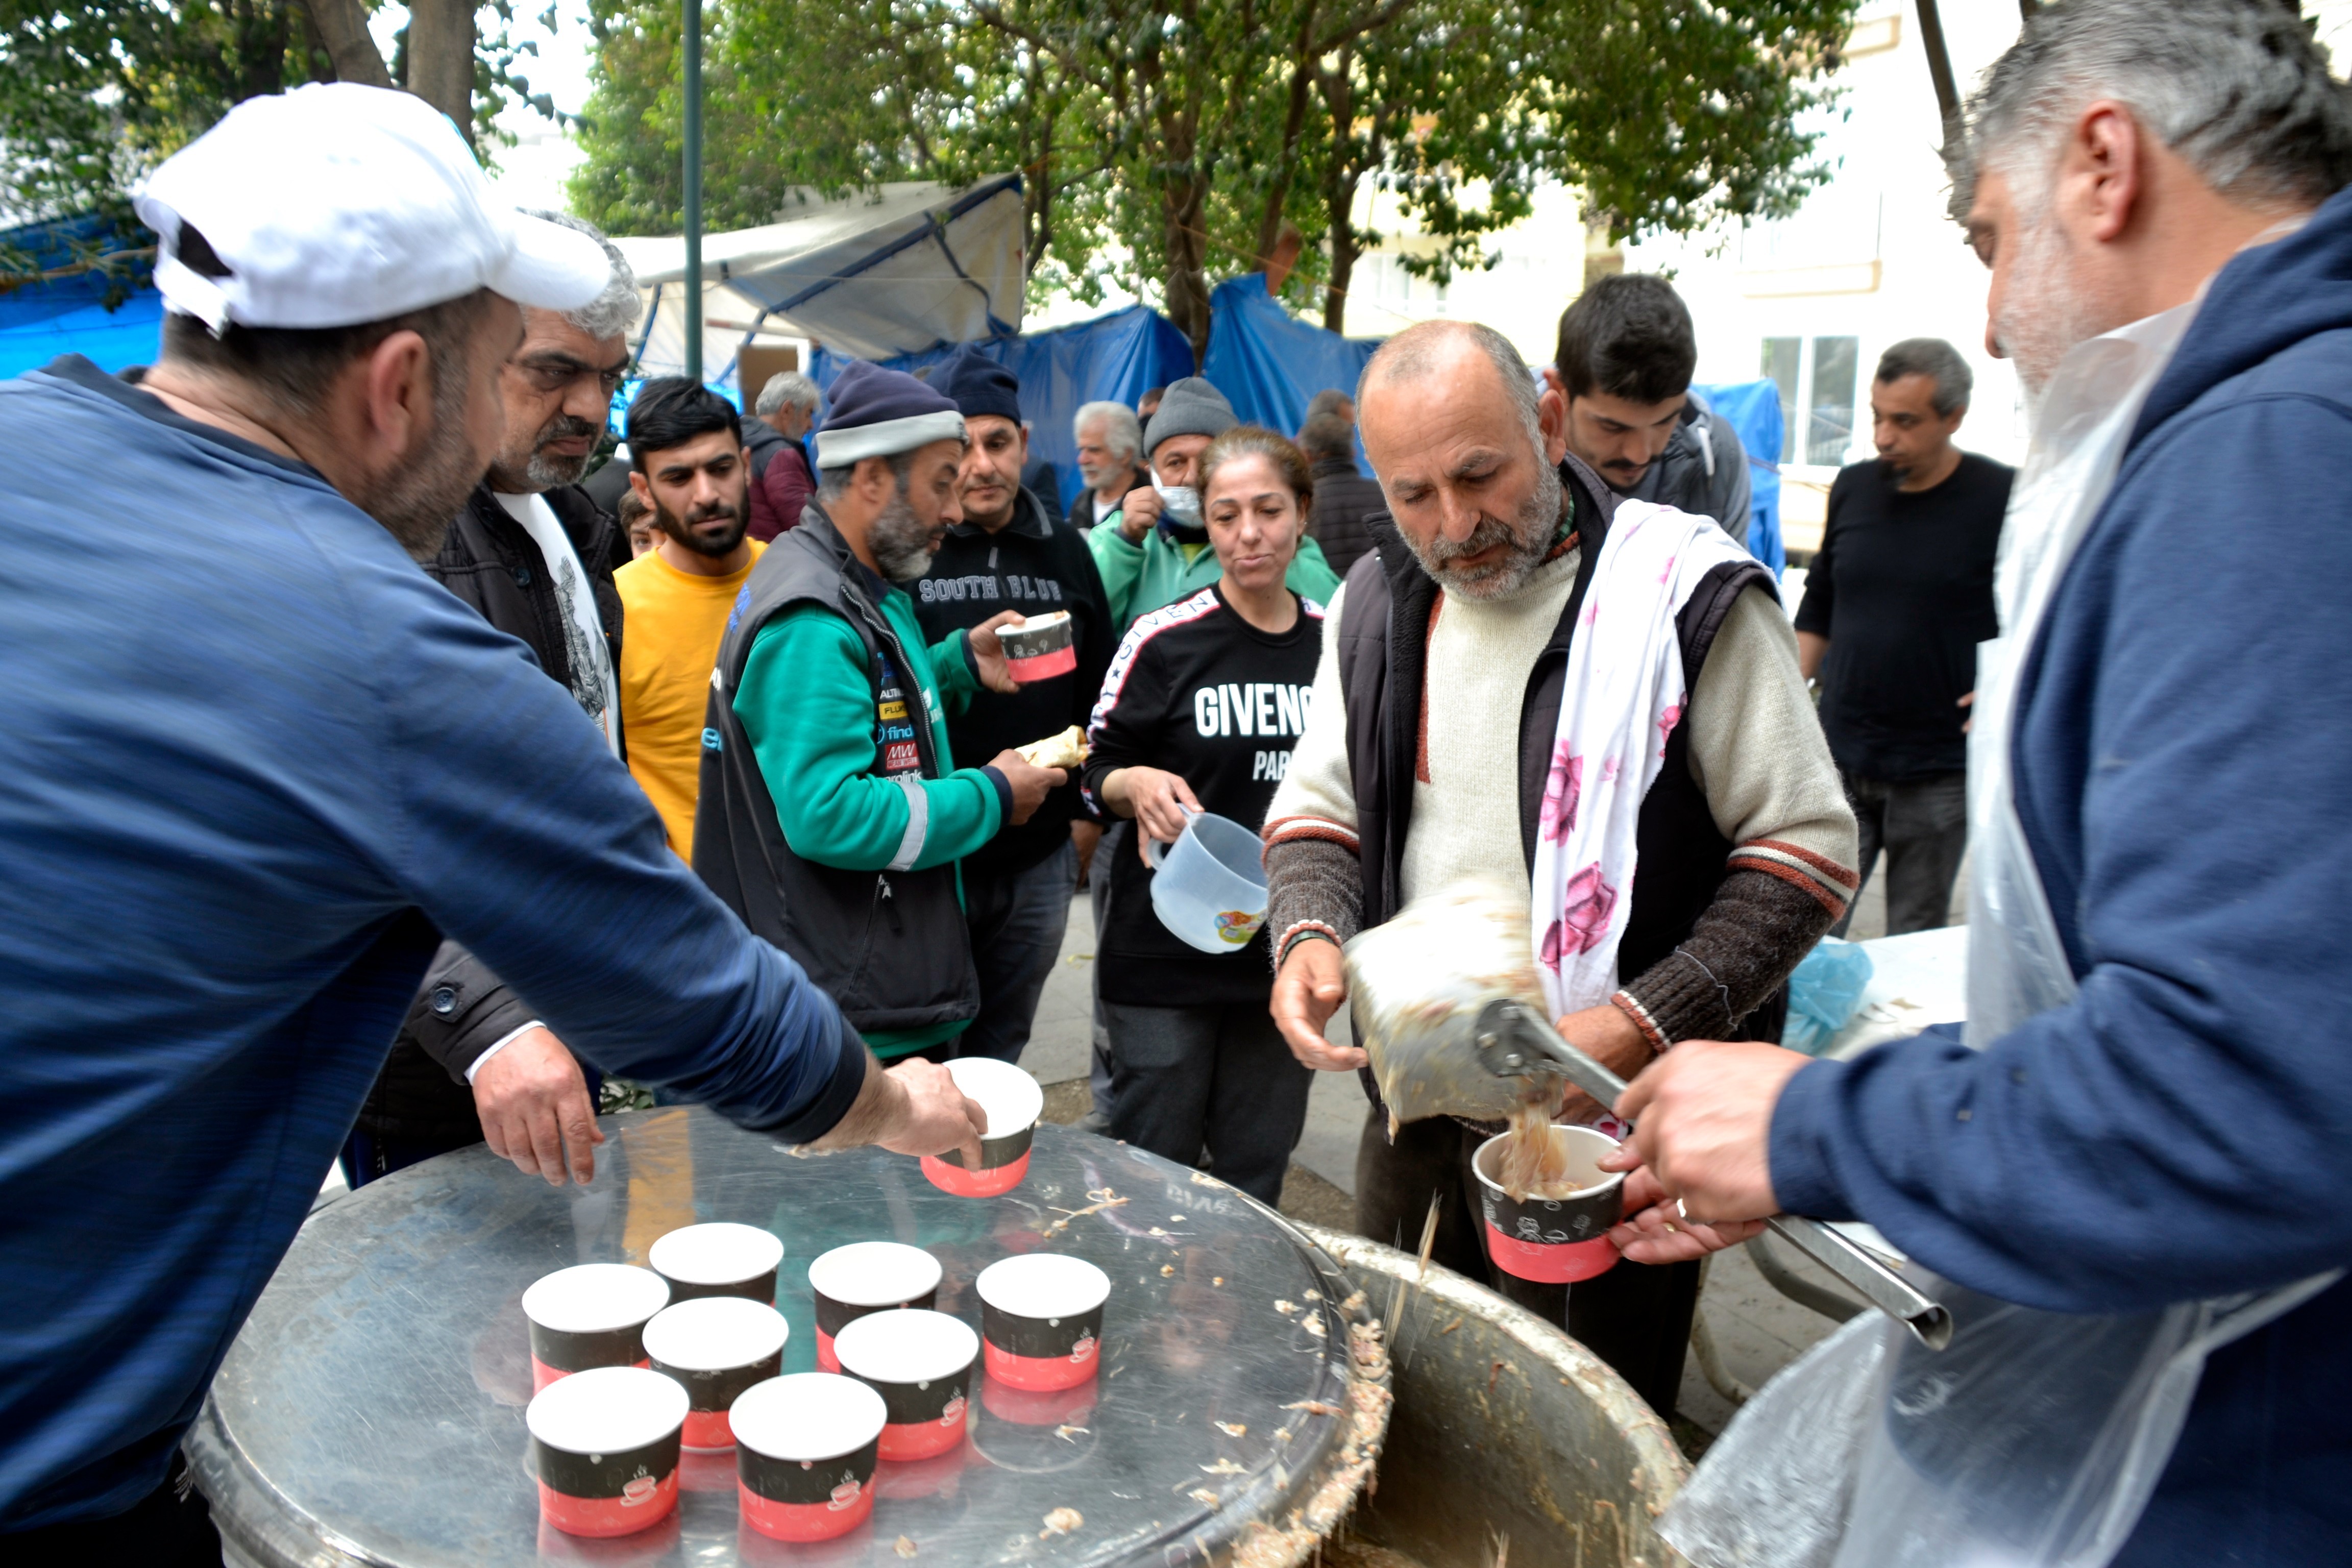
(1067, 750)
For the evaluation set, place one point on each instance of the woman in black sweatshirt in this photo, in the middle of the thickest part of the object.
(1202, 703)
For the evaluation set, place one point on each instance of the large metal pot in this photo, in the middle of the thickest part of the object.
(1504, 1426)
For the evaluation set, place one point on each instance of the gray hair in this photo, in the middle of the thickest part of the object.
(1937, 360)
(1418, 350)
(2241, 91)
(614, 311)
(787, 387)
(1124, 434)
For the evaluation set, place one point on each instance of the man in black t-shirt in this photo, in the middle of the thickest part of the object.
(1008, 554)
(1895, 605)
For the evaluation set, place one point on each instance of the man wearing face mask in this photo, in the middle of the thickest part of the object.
(831, 816)
(1155, 550)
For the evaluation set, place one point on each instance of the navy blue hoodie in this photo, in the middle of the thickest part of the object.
(2183, 759)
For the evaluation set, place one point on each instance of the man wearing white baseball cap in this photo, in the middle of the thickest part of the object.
(253, 762)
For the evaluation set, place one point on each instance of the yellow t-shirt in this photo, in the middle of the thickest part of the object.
(671, 624)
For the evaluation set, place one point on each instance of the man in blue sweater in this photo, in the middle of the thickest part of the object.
(2181, 753)
(251, 757)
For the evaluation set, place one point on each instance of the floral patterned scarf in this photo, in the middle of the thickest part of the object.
(1621, 699)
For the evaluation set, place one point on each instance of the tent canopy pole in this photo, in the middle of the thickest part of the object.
(693, 203)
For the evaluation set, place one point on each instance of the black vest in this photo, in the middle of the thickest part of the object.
(1384, 641)
(890, 947)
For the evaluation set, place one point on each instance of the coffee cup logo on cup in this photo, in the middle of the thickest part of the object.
(806, 1449)
(1555, 1241)
(1013, 1103)
(1040, 1318)
(604, 1444)
(921, 1364)
(1209, 891)
(589, 1316)
(866, 1277)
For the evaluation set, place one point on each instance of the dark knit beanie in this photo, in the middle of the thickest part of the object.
(880, 412)
(980, 385)
(1190, 407)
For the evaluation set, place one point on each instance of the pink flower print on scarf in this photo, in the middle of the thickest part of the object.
(1666, 722)
(1584, 917)
(1562, 790)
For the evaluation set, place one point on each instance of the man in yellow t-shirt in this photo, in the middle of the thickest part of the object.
(688, 450)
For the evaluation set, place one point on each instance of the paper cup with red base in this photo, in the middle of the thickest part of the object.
(719, 1260)
(867, 1277)
(589, 1316)
(605, 1445)
(1013, 1103)
(1040, 1318)
(715, 1346)
(1041, 647)
(1554, 1241)
(805, 1450)
(921, 1365)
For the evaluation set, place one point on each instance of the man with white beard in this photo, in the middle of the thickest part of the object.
(2148, 1141)
(831, 814)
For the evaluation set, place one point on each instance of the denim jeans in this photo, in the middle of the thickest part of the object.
(1218, 1074)
(1923, 825)
(1016, 925)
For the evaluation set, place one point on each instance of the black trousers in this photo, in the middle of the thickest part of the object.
(1922, 826)
(170, 1527)
(1636, 1317)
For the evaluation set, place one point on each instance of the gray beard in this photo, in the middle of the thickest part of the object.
(417, 502)
(1528, 537)
(900, 541)
(2046, 311)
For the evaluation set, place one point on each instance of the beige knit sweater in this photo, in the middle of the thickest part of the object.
(1755, 747)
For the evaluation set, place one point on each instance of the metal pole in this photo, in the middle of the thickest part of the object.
(694, 188)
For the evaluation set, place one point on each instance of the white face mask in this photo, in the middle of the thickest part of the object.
(1180, 504)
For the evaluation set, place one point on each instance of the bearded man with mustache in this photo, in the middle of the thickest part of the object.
(1435, 750)
(831, 814)
(535, 556)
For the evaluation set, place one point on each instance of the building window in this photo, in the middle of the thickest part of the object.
(1817, 376)
(1781, 357)
(1829, 427)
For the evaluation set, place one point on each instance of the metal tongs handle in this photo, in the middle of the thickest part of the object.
(1515, 1041)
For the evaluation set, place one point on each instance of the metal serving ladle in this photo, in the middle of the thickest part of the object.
(1513, 1040)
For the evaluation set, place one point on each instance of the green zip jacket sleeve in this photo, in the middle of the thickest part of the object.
(1310, 575)
(808, 708)
(1119, 564)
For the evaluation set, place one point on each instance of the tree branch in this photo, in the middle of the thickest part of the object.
(1370, 22)
(341, 27)
(1940, 68)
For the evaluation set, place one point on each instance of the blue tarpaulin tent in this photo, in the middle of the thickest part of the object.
(1115, 358)
(70, 315)
(1265, 361)
(1753, 409)
(1269, 363)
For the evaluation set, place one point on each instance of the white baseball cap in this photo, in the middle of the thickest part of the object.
(336, 204)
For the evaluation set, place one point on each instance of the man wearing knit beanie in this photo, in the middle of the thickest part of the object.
(1008, 554)
(831, 814)
(1155, 550)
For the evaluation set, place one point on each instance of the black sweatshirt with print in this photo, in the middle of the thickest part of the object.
(1198, 691)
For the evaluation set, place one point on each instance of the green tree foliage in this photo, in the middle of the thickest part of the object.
(93, 93)
(1165, 145)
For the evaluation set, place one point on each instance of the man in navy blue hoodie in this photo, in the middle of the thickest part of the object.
(254, 764)
(2181, 755)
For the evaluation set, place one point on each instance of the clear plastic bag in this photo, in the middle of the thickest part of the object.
(1823, 991)
(2034, 1439)
(1416, 983)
